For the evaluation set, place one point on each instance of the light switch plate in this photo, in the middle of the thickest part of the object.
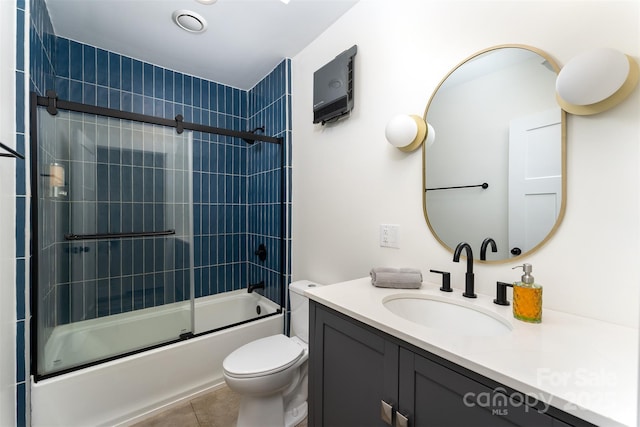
(389, 235)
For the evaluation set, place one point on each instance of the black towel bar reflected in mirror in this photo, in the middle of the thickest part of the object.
(484, 185)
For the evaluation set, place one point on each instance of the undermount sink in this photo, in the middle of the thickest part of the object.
(446, 316)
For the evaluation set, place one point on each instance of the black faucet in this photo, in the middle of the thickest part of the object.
(483, 248)
(253, 287)
(468, 277)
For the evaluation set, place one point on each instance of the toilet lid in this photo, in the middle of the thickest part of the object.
(263, 356)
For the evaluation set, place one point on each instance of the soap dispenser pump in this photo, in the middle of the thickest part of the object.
(527, 297)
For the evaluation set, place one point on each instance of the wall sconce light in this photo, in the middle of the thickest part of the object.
(596, 81)
(408, 132)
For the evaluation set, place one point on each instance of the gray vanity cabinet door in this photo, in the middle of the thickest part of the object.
(433, 395)
(351, 371)
(354, 368)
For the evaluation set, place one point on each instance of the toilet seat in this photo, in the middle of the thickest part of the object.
(264, 356)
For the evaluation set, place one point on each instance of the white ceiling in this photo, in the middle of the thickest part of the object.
(244, 41)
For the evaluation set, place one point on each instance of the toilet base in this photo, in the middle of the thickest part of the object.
(267, 411)
(294, 416)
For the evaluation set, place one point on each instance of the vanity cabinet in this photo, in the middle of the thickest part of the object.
(357, 372)
(353, 370)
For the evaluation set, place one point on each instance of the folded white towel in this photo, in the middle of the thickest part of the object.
(402, 278)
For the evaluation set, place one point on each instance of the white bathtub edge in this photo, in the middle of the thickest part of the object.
(120, 391)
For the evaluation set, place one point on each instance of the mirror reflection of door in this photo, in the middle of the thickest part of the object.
(535, 178)
(472, 112)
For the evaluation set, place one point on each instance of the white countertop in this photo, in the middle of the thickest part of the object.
(579, 365)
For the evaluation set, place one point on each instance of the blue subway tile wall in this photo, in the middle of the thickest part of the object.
(268, 104)
(42, 41)
(32, 22)
(130, 273)
(236, 187)
(222, 176)
(141, 160)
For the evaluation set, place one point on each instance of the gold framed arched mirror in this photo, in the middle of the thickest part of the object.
(497, 167)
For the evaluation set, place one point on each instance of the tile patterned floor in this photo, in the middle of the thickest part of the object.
(216, 409)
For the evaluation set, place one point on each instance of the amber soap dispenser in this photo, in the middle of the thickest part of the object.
(527, 297)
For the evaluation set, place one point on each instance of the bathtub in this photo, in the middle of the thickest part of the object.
(124, 390)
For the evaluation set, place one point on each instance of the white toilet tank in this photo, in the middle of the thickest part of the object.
(300, 308)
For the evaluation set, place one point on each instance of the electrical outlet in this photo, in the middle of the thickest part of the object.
(389, 234)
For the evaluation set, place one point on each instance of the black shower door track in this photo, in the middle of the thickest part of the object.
(52, 103)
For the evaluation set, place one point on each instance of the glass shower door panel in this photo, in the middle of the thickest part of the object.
(115, 238)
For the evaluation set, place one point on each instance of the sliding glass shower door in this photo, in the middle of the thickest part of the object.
(114, 238)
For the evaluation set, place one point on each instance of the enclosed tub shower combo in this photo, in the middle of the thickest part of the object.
(138, 293)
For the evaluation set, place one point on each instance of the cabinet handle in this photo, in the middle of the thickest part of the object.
(401, 420)
(386, 412)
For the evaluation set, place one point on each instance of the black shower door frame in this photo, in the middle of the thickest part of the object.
(52, 104)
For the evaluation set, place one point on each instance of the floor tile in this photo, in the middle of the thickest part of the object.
(218, 408)
(182, 416)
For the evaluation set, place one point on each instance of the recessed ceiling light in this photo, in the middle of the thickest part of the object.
(207, 1)
(285, 1)
(189, 21)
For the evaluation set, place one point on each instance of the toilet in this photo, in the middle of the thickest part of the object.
(270, 374)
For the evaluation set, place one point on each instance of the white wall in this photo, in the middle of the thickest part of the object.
(7, 216)
(347, 179)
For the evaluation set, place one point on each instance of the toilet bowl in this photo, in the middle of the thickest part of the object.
(270, 373)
